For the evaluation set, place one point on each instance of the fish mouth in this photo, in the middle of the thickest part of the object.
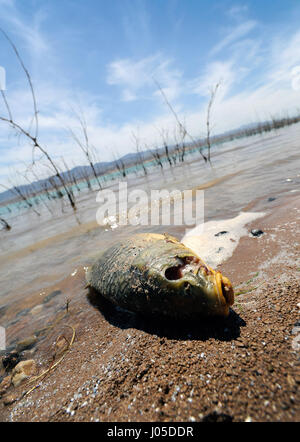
(224, 289)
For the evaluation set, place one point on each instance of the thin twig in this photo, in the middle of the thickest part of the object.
(212, 98)
(28, 78)
(52, 367)
(182, 128)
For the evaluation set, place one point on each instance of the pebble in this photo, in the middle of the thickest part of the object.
(22, 371)
(257, 232)
(36, 310)
(291, 380)
(10, 399)
(22, 312)
(51, 296)
(26, 343)
(239, 344)
(221, 233)
(5, 384)
(61, 344)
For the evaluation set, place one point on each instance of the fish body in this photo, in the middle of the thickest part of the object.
(155, 274)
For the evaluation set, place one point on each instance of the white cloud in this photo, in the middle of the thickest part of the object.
(285, 57)
(215, 72)
(237, 11)
(136, 77)
(30, 32)
(235, 34)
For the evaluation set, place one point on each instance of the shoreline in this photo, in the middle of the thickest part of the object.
(245, 368)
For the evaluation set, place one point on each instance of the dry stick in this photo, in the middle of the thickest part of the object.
(5, 223)
(179, 148)
(86, 146)
(6, 105)
(19, 193)
(123, 167)
(74, 180)
(182, 147)
(52, 367)
(68, 172)
(38, 146)
(212, 98)
(73, 175)
(138, 151)
(70, 181)
(34, 193)
(28, 79)
(155, 154)
(20, 129)
(30, 194)
(182, 129)
(85, 176)
(44, 186)
(164, 136)
(120, 165)
(55, 186)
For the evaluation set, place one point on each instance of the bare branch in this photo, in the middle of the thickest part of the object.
(5, 224)
(182, 128)
(33, 138)
(28, 79)
(212, 98)
(138, 151)
(6, 105)
(164, 135)
(85, 146)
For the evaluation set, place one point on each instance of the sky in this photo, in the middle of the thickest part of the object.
(102, 61)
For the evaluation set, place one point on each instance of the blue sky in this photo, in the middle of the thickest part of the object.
(99, 59)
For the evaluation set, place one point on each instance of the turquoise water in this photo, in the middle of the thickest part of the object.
(9, 209)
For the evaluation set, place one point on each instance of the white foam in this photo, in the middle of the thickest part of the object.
(216, 249)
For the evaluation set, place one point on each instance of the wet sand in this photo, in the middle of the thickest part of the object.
(122, 367)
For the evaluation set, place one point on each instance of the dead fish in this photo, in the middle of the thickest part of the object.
(155, 274)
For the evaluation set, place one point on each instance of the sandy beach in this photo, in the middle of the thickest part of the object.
(122, 367)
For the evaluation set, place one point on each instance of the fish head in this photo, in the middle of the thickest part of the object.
(196, 287)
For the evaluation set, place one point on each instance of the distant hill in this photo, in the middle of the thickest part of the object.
(79, 172)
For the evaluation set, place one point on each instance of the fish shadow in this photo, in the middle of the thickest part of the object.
(223, 329)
